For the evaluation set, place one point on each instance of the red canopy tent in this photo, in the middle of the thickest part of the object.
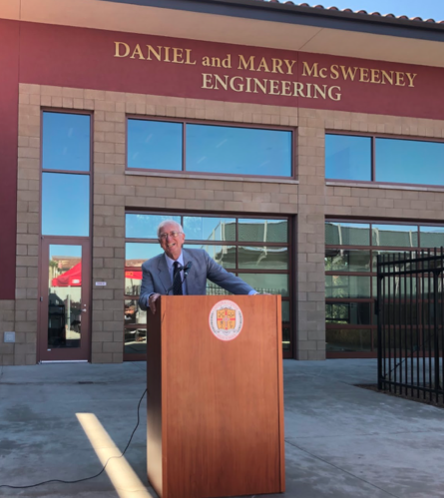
(73, 277)
(136, 275)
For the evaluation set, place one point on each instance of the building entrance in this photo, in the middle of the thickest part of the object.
(64, 328)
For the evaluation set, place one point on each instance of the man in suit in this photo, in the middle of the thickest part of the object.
(165, 274)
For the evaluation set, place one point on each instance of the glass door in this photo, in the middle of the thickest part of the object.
(65, 300)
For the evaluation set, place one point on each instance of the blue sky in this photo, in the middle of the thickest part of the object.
(412, 8)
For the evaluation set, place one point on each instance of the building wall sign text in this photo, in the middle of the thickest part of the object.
(268, 75)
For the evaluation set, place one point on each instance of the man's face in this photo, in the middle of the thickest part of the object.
(171, 240)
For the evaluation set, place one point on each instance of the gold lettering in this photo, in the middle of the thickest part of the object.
(321, 91)
(334, 72)
(127, 49)
(227, 61)
(334, 96)
(263, 87)
(137, 51)
(286, 91)
(289, 65)
(399, 79)
(348, 72)
(323, 72)
(411, 78)
(376, 74)
(298, 89)
(248, 90)
(177, 55)
(167, 54)
(307, 71)
(308, 88)
(277, 66)
(188, 57)
(274, 87)
(206, 61)
(215, 62)
(364, 75)
(223, 84)
(207, 81)
(240, 87)
(157, 55)
(263, 65)
(386, 76)
(249, 65)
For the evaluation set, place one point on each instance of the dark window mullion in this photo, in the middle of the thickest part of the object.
(184, 147)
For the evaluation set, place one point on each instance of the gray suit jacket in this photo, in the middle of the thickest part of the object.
(156, 277)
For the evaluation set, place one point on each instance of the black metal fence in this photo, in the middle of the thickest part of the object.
(410, 313)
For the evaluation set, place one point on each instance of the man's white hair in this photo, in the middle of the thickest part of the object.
(168, 222)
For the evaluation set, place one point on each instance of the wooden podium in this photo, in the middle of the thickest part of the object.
(215, 418)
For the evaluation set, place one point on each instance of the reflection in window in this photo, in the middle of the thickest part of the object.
(134, 314)
(267, 282)
(144, 226)
(257, 230)
(347, 340)
(154, 145)
(263, 258)
(66, 141)
(345, 286)
(64, 296)
(135, 339)
(349, 298)
(432, 236)
(395, 235)
(224, 255)
(136, 253)
(285, 311)
(213, 289)
(409, 161)
(348, 158)
(241, 151)
(65, 204)
(347, 234)
(348, 313)
(236, 244)
(416, 162)
(345, 260)
(207, 228)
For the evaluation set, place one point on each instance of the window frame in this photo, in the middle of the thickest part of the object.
(372, 274)
(291, 324)
(373, 137)
(183, 171)
(90, 172)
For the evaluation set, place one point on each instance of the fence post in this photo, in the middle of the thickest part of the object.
(378, 311)
(435, 326)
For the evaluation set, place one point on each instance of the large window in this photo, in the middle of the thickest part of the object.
(66, 174)
(203, 148)
(255, 249)
(350, 267)
(358, 158)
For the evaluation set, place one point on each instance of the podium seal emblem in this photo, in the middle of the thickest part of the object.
(226, 320)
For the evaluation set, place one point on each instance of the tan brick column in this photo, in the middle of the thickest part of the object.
(108, 225)
(310, 237)
(28, 225)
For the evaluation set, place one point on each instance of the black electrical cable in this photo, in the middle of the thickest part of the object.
(91, 477)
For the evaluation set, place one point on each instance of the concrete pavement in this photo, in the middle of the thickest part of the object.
(341, 441)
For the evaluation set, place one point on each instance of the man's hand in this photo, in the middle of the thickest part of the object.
(152, 302)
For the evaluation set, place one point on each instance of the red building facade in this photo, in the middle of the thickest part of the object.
(293, 159)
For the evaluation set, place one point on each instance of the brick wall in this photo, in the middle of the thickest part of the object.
(116, 189)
